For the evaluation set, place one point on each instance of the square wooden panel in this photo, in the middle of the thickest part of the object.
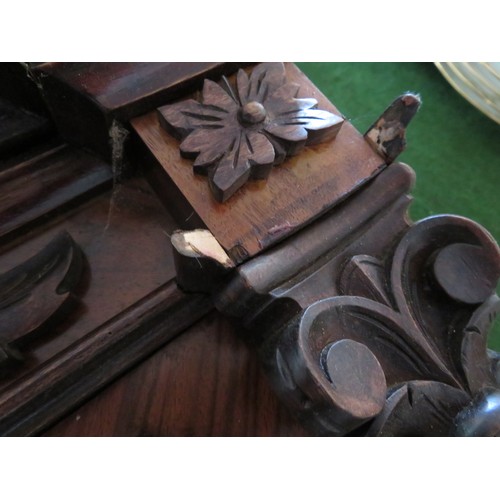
(298, 191)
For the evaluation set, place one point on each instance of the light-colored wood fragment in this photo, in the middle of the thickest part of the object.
(200, 243)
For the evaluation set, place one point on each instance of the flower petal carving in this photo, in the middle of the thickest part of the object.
(181, 119)
(215, 98)
(236, 134)
(263, 81)
(206, 144)
(235, 168)
(301, 125)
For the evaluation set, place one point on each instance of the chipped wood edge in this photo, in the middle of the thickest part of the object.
(387, 136)
(200, 260)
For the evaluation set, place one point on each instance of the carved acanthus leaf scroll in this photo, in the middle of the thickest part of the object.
(412, 332)
(237, 134)
(32, 293)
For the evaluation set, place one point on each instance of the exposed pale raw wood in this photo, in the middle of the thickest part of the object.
(200, 261)
(200, 243)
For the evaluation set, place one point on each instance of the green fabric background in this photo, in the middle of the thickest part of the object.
(453, 148)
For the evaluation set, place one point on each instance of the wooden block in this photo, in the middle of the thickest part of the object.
(296, 192)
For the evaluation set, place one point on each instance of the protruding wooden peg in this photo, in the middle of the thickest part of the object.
(388, 134)
(200, 261)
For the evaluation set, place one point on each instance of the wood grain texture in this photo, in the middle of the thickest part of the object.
(371, 217)
(125, 307)
(47, 393)
(204, 383)
(39, 185)
(258, 216)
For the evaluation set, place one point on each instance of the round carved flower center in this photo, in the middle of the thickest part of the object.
(252, 112)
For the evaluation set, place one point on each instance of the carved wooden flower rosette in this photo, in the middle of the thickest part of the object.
(237, 134)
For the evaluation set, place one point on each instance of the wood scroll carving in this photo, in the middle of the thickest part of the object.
(33, 294)
(240, 133)
(404, 343)
(368, 325)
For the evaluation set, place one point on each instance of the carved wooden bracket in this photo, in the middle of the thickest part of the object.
(33, 293)
(404, 343)
(374, 326)
(240, 133)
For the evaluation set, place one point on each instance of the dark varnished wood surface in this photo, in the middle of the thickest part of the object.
(204, 383)
(259, 215)
(128, 88)
(87, 99)
(124, 307)
(386, 322)
(207, 382)
(34, 293)
(47, 182)
(105, 227)
(48, 392)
